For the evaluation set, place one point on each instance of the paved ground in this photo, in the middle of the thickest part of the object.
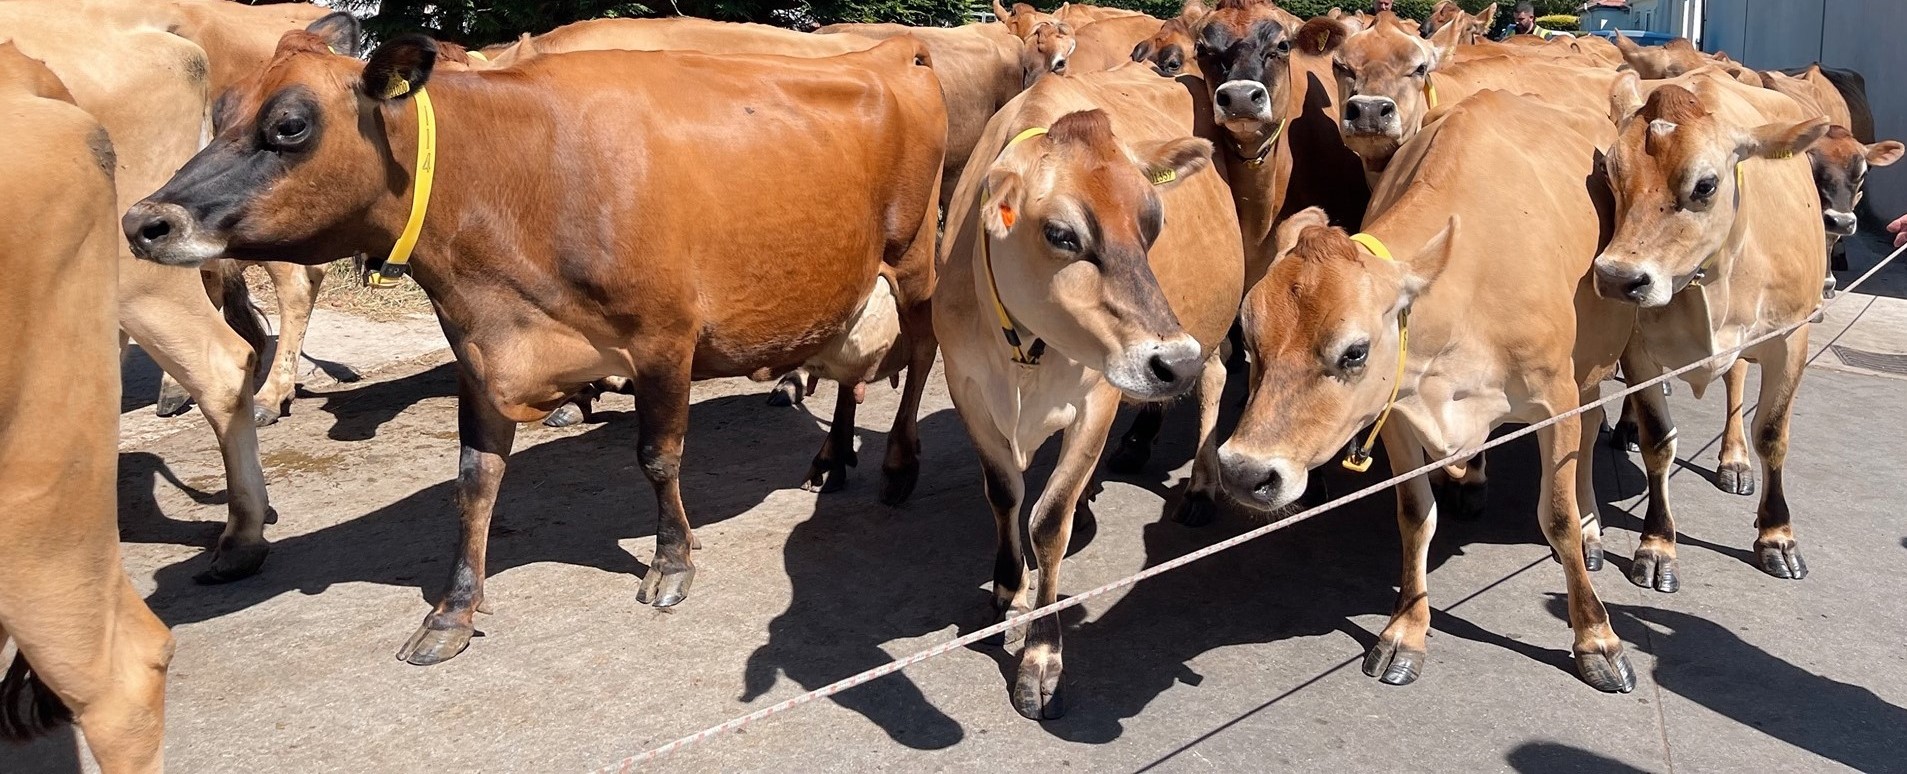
(1246, 661)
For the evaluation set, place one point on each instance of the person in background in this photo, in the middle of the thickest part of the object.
(1524, 23)
(1899, 229)
(1380, 6)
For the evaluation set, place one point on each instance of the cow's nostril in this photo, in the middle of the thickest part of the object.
(1639, 286)
(1386, 110)
(155, 230)
(1258, 98)
(1162, 370)
(1352, 111)
(1269, 486)
(1224, 99)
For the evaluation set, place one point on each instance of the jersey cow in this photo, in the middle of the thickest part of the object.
(615, 247)
(1350, 331)
(88, 648)
(1088, 257)
(1718, 239)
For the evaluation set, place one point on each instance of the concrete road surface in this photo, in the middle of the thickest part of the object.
(1247, 661)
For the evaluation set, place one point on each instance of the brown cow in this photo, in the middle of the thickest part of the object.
(89, 649)
(1047, 49)
(1022, 19)
(1063, 289)
(1718, 238)
(622, 246)
(153, 94)
(1080, 14)
(1349, 331)
(1170, 49)
(680, 33)
(1840, 160)
(1449, 26)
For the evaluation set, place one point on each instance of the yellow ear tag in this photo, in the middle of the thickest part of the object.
(398, 88)
(1163, 176)
(1007, 216)
(1323, 38)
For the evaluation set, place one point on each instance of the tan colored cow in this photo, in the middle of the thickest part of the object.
(1170, 49)
(628, 245)
(1449, 26)
(153, 95)
(1104, 45)
(679, 33)
(1080, 14)
(1718, 238)
(1087, 262)
(89, 649)
(1383, 328)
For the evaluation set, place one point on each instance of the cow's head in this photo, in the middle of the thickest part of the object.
(1244, 50)
(1022, 19)
(1322, 329)
(300, 164)
(1071, 215)
(1046, 51)
(1672, 169)
(1840, 168)
(1383, 76)
(1169, 50)
(1448, 24)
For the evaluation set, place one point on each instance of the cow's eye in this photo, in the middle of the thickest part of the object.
(1704, 188)
(1354, 356)
(1062, 238)
(290, 131)
(1284, 47)
(1422, 70)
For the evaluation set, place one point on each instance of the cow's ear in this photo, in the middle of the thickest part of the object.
(1321, 36)
(1001, 208)
(1002, 14)
(1780, 139)
(399, 68)
(1192, 11)
(1294, 227)
(340, 31)
(1144, 50)
(1429, 262)
(1486, 18)
(1167, 162)
(1884, 153)
(1625, 98)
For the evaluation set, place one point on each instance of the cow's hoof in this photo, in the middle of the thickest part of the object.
(1625, 436)
(1393, 664)
(172, 403)
(271, 515)
(1130, 458)
(1781, 559)
(1592, 556)
(264, 415)
(233, 560)
(1607, 672)
(665, 589)
(1654, 569)
(435, 646)
(1196, 509)
(897, 484)
(826, 476)
(566, 415)
(1735, 478)
(1036, 691)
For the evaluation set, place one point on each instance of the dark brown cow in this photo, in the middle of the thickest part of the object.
(1170, 48)
(782, 214)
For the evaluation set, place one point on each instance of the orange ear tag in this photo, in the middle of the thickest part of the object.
(1007, 215)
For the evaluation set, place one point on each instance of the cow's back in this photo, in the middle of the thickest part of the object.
(59, 375)
(692, 34)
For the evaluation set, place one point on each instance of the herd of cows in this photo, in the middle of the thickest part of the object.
(1407, 228)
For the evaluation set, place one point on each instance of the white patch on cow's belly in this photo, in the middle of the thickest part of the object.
(855, 355)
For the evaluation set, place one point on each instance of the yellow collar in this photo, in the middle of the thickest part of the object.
(1258, 160)
(477, 55)
(1358, 459)
(1430, 91)
(398, 264)
(1028, 356)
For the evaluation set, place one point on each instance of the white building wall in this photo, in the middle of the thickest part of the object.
(1861, 35)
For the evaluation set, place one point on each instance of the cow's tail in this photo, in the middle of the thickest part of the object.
(243, 314)
(28, 708)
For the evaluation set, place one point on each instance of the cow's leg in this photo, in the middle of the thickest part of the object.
(829, 471)
(1135, 447)
(1654, 565)
(1599, 656)
(900, 471)
(175, 323)
(297, 289)
(1466, 496)
(788, 389)
(1036, 690)
(1781, 368)
(1733, 474)
(576, 410)
(486, 436)
(1401, 649)
(174, 398)
(102, 656)
(1590, 520)
(1200, 503)
(1004, 482)
(662, 408)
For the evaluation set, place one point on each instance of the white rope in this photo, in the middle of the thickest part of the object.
(897, 665)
